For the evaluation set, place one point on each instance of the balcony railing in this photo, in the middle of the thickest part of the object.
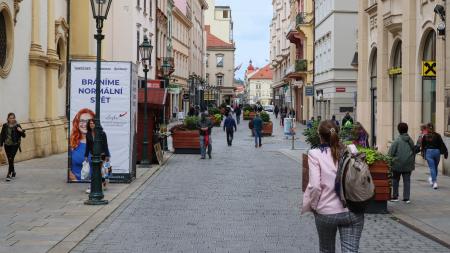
(301, 65)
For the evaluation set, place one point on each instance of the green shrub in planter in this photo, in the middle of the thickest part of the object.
(191, 122)
(247, 108)
(213, 111)
(246, 113)
(218, 117)
(265, 117)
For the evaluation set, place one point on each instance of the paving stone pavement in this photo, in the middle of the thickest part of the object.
(243, 200)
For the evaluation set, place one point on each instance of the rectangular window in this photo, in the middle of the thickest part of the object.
(219, 80)
(150, 8)
(219, 60)
(138, 42)
(225, 14)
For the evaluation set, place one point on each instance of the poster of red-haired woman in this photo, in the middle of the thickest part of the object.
(118, 103)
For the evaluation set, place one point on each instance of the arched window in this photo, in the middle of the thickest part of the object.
(6, 40)
(429, 82)
(396, 78)
(373, 96)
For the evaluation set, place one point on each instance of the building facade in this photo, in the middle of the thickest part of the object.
(220, 21)
(220, 66)
(280, 51)
(197, 57)
(335, 47)
(181, 51)
(402, 69)
(259, 84)
(33, 68)
(300, 73)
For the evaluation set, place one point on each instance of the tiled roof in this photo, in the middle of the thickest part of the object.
(263, 73)
(214, 42)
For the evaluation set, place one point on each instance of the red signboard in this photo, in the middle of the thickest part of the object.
(340, 89)
(154, 84)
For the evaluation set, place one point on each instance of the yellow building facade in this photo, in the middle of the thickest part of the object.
(33, 73)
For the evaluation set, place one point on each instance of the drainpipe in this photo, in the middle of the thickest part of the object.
(314, 54)
(68, 74)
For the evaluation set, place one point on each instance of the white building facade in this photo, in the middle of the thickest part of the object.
(334, 50)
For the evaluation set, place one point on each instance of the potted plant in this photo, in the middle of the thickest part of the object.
(185, 137)
(379, 166)
(246, 115)
(267, 124)
(215, 116)
(217, 119)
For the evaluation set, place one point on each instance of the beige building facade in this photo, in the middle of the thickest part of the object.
(181, 51)
(259, 85)
(220, 20)
(33, 70)
(220, 67)
(396, 40)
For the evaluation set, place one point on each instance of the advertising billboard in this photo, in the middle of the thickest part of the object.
(118, 116)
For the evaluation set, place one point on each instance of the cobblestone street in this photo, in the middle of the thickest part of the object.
(243, 200)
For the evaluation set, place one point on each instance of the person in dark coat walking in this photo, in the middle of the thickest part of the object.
(433, 147)
(229, 126)
(204, 127)
(403, 163)
(257, 130)
(104, 152)
(10, 138)
(276, 111)
(238, 112)
(347, 118)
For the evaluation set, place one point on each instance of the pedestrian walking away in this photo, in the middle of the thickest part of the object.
(346, 119)
(229, 126)
(320, 196)
(238, 112)
(433, 147)
(276, 111)
(104, 152)
(204, 127)
(10, 140)
(403, 153)
(333, 118)
(257, 130)
(283, 115)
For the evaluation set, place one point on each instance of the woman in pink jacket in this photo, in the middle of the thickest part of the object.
(321, 198)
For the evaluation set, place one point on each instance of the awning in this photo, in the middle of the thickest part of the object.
(155, 96)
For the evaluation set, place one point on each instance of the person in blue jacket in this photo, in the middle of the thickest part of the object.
(229, 126)
(257, 130)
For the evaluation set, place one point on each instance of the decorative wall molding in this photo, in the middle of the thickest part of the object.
(16, 9)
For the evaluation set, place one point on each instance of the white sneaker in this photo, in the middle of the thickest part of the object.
(88, 190)
(430, 181)
(435, 186)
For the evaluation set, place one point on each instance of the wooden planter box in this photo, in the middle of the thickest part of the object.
(186, 142)
(267, 129)
(246, 117)
(251, 115)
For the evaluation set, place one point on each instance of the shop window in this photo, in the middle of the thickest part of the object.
(396, 77)
(429, 82)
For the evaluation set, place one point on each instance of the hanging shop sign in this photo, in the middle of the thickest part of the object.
(395, 71)
(429, 68)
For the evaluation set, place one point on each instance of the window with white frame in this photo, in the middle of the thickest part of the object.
(219, 79)
(219, 60)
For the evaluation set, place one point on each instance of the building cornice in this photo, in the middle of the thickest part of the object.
(335, 12)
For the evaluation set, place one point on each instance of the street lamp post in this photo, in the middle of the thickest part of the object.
(145, 50)
(100, 9)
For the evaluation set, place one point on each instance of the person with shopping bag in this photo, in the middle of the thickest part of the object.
(105, 155)
(10, 139)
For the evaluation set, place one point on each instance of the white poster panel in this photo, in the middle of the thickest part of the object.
(115, 113)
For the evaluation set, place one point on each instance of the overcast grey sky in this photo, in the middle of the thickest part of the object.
(251, 31)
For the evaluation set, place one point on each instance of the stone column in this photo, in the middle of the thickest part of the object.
(363, 109)
(38, 132)
(384, 89)
(411, 105)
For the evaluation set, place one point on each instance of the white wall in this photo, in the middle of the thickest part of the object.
(14, 89)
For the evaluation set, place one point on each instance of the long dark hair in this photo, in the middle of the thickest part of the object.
(88, 126)
(329, 134)
(9, 115)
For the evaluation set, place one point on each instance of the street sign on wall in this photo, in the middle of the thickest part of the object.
(309, 91)
(340, 89)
